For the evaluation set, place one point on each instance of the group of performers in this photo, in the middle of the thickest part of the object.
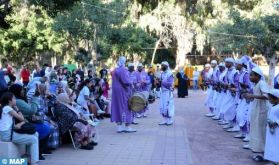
(126, 81)
(237, 97)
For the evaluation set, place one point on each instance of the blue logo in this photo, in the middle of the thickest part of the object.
(13, 161)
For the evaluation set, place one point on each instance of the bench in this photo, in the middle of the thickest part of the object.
(11, 150)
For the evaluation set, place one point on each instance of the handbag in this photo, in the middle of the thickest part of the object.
(26, 128)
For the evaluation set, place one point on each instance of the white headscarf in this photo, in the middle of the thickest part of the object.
(222, 64)
(247, 60)
(131, 64)
(214, 62)
(140, 65)
(231, 60)
(121, 61)
(165, 63)
(259, 72)
(239, 61)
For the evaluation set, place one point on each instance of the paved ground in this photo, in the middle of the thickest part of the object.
(194, 139)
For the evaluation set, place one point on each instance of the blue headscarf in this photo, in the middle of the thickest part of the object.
(121, 61)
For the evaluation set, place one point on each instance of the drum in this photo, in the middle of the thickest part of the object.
(138, 101)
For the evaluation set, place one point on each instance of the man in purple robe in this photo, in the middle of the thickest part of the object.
(121, 92)
(142, 85)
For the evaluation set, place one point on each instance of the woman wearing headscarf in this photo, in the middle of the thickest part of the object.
(121, 92)
(68, 116)
(29, 112)
(182, 89)
(43, 101)
(166, 99)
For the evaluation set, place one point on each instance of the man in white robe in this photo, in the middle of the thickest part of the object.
(212, 78)
(230, 101)
(166, 99)
(259, 108)
(271, 151)
(220, 92)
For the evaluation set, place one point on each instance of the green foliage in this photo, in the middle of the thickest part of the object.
(53, 6)
(30, 33)
(103, 27)
(260, 34)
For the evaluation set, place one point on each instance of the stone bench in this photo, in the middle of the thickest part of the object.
(11, 150)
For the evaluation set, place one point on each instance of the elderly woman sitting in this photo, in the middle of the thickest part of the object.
(67, 116)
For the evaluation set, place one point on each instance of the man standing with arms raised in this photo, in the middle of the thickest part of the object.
(166, 100)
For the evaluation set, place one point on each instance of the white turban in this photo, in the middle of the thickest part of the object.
(239, 61)
(207, 65)
(140, 65)
(213, 62)
(165, 63)
(121, 61)
(222, 64)
(274, 92)
(131, 64)
(231, 60)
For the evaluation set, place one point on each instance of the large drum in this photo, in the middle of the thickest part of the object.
(138, 101)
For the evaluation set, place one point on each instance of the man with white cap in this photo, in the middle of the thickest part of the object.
(166, 100)
(271, 151)
(243, 104)
(259, 108)
(142, 85)
(230, 103)
(211, 93)
(220, 92)
(132, 76)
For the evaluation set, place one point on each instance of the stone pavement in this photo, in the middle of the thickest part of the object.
(193, 139)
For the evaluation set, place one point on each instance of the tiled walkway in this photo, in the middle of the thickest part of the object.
(193, 139)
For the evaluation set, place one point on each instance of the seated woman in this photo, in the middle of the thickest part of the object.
(29, 112)
(84, 99)
(98, 90)
(68, 116)
(41, 98)
(8, 113)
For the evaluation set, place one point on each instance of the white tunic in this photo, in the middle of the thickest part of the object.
(271, 151)
(166, 99)
(230, 105)
(220, 96)
(258, 118)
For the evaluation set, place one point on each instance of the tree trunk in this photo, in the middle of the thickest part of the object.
(154, 52)
(180, 58)
(271, 74)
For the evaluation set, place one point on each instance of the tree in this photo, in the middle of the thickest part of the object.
(101, 29)
(257, 30)
(30, 33)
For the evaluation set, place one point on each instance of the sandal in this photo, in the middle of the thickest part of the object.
(258, 158)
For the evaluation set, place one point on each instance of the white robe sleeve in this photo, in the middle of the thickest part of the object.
(264, 88)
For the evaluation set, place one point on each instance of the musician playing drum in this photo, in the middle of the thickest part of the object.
(142, 85)
(132, 76)
(166, 99)
(121, 92)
